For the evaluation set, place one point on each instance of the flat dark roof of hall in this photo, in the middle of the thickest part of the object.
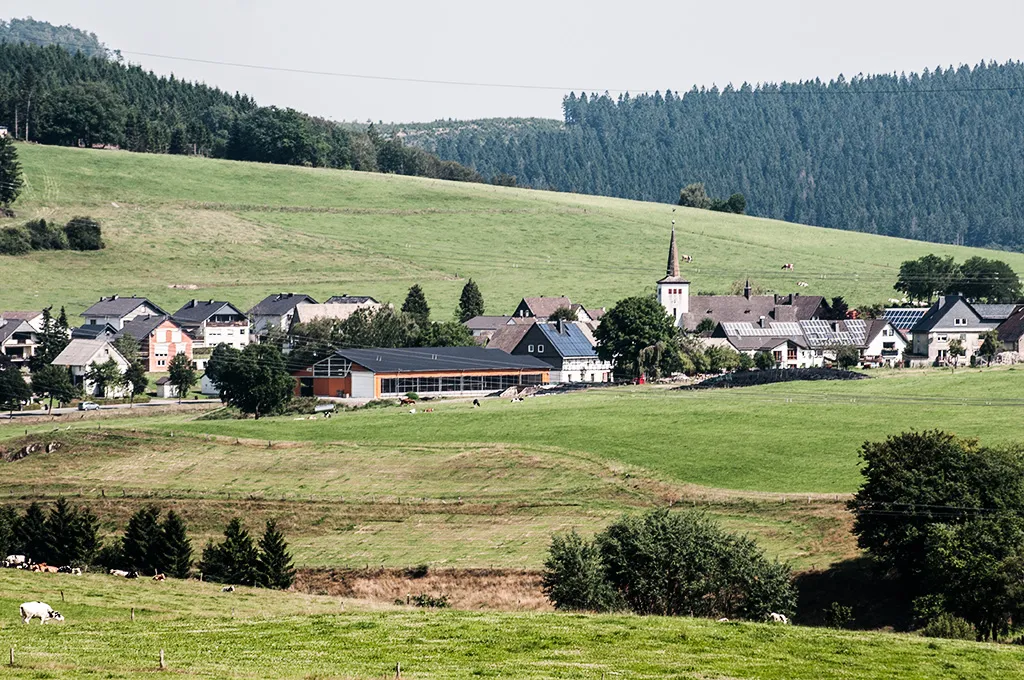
(453, 359)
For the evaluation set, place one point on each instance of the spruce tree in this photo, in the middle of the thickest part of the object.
(8, 526)
(143, 541)
(10, 174)
(415, 305)
(276, 570)
(63, 542)
(177, 552)
(471, 303)
(89, 541)
(235, 560)
(31, 533)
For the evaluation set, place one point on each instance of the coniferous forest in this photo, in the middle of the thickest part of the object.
(932, 156)
(57, 94)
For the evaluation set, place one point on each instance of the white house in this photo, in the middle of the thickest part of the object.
(80, 355)
(117, 311)
(210, 323)
(954, 318)
(570, 350)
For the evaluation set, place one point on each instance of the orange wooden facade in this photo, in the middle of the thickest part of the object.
(333, 387)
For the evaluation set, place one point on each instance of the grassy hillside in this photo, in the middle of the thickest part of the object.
(254, 634)
(179, 228)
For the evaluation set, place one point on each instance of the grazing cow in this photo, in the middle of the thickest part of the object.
(802, 284)
(476, 403)
(778, 618)
(118, 572)
(159, 577)
(788, 266)
(686, 258)
(40, 610)
(227, 589)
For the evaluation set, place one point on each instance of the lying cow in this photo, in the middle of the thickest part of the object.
(40, 610)
(778, 618)
(123, 574)
(159, 577)
(12, 561)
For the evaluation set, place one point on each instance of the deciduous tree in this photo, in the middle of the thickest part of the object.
(182, 375)
(630, 326)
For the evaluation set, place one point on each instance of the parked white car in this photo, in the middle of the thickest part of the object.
(88, 406)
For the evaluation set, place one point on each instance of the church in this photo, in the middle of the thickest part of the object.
(689, 311)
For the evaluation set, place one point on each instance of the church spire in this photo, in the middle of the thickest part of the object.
(673, 257)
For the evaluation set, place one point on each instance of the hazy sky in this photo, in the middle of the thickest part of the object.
(597, 45)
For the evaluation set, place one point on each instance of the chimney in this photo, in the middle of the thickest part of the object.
(560, 326)
(746, 290)
(114, 296)
(193, 303)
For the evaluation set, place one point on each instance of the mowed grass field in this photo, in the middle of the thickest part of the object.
(258, 634)
(178, 228)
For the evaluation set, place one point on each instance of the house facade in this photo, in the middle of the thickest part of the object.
(276, 311)
(568, 349)
(117, 311)
(18, 341)
(427, 371)
(952, 318)
(80, 355)
(212, 322)
(160, 339)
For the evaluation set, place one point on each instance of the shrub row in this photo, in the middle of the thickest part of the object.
(81, 233)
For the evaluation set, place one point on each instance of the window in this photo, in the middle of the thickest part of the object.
(791, 354)
(959, 322)
(529, 348)
(540, 349)
(942, 338)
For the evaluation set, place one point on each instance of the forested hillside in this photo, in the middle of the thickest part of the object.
(57, 95)
(932, 156)
(41, 33)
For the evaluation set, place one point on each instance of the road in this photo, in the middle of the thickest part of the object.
(105, 407)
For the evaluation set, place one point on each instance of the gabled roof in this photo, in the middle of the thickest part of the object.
(350, 300)
(141, 326)
(198, 311)
(422, 359)
(994, 312)
(83, 352)
(11, 326)
(92, 331)
(20, 315)
(507, 338)
(488, 323)
(739, 308)
(767, 343)
(279, 304)
(545, 306)
(116, 305)
(306, 312)
(567, 339)
(936, 317)
(596, 313)
(1012, 329)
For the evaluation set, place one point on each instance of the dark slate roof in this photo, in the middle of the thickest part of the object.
(419, 359)
(994, 312)
(92, 331)
(350, 300)
(569, 341)
(141, 326)
(1011, 329)
(118, 306)
(936, 315)
(198, 311)
(12, 326)
(279, 304)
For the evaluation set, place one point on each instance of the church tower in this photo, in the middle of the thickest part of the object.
(673, 290)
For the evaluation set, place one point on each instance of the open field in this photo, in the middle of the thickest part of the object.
(793, 437)
(254, 634)
(179, 228)
(358, 505)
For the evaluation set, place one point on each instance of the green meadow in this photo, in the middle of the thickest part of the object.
(205, 633)
(178, 228)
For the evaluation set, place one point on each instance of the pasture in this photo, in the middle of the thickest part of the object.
(179, 228)
(258, 634)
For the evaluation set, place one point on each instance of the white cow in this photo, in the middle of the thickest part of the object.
(778, 618)
(119, 572)
(40, 610)
(15, 561)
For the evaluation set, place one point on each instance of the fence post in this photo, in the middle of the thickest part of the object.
(133, 614)
(398, 670)
(12, 656)
(162, 664)
(62, 596)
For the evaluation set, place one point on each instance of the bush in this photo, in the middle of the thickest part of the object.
(574, 576)
(419, 571)
(838, 615)
(950, 627)
(46, 236)
(431, 601)
(84, 233)
(15, 241)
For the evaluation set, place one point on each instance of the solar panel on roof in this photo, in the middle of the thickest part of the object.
(905, 318)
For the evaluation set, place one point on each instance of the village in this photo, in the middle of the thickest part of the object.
(545, 341)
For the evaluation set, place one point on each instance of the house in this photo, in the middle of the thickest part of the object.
(1011, 332)
(34, 318)
(94, 331)
(338, 311)
(18, 341)
(212, 322)
(160, 339)
(484, 327)
(954, 318)
(783, 340)
(877, 340)
(275, 311)
(508, 337)
(207, 388)
(427, 371)
(569, 350)
(117, 311)
(690, 311)
(904, 318)
(80, 355)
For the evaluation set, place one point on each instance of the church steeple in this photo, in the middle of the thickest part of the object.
(673, 257)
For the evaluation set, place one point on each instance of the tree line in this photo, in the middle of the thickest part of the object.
(65, 96)
(978, 278)
(80, 233)
(922, 155)
(70, 536)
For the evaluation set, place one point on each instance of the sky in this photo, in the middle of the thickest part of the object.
(544, 48)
